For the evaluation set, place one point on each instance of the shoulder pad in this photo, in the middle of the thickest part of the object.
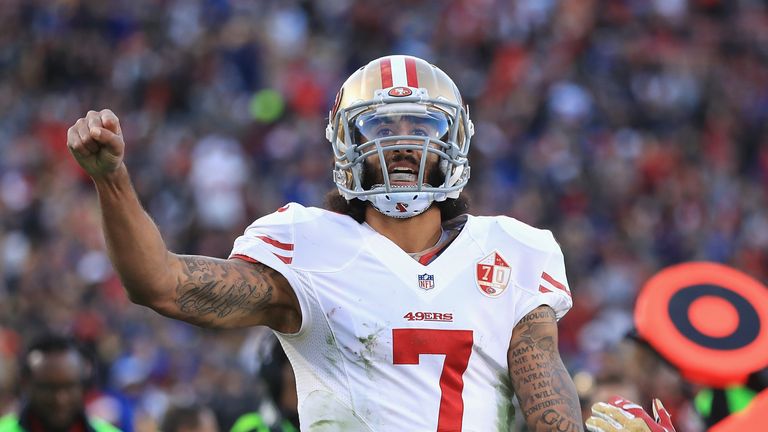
(306, 238)
(504, 229)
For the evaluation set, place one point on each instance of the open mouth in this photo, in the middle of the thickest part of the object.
(402, 175)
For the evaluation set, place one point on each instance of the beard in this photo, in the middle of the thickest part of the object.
(374, 176)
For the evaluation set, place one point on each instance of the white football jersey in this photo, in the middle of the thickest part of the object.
(389, 344)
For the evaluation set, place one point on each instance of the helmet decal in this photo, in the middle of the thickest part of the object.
(400, 92)
(386, 72)
(337, 102)
(398, 71)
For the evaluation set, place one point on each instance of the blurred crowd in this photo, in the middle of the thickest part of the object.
(635, 130)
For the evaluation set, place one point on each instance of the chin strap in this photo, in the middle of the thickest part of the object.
(402, 205)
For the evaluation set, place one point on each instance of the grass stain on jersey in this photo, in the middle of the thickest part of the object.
(331, 342)
(369, 343)
(325, 412)
(369, 347)
(321, 423)
(505, 411)
(333, 426)
(351, 424)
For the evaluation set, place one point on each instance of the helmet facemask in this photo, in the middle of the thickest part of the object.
(395, 128)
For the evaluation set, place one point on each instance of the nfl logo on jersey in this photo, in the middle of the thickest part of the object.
(426, 281)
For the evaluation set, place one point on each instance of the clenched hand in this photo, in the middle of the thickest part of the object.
(96, 142)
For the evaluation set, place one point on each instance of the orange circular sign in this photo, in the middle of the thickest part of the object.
(707, 319)
(714, 316)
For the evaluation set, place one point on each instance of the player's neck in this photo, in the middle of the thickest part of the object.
(413, 234)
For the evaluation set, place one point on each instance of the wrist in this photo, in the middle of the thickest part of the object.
(113, 179)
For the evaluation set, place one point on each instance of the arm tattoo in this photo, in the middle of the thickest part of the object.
(209, 290)
(544, 389)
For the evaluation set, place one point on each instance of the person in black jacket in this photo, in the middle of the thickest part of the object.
(54, 373)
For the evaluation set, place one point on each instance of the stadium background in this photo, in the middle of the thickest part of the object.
(635, 130)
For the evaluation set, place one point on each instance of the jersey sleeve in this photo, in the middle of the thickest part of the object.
(270, 240)
(552, 288)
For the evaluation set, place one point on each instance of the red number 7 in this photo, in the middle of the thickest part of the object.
(407, 344)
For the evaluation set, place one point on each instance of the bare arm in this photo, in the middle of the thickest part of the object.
(213, 292)
(543, 387)
(205, 291)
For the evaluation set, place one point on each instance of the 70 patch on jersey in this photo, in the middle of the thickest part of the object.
(493, 274)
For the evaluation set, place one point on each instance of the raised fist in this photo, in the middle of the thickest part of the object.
(622, 415)
(96, 142)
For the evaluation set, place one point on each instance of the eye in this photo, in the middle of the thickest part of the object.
(384, 132)
(419, 131)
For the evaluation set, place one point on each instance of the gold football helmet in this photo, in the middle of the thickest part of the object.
(399, 104)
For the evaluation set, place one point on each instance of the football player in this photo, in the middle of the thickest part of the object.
(397, 311)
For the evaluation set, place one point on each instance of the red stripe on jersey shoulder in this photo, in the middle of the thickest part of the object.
(275, 243)
(410, 72)
(543, 289)
(284, 259)
(554, 283)
(386, 72)
(244, 258)
(552, 280)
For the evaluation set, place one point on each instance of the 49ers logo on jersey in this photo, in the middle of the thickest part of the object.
(429, 316)
(493, 274)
